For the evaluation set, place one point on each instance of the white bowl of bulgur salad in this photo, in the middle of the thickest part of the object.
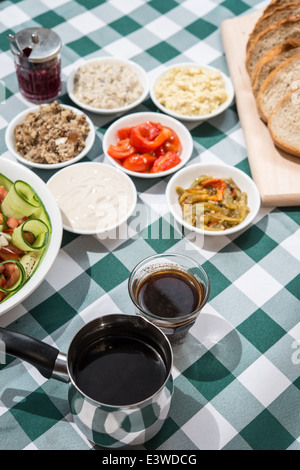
(108, 85)
(50, 136)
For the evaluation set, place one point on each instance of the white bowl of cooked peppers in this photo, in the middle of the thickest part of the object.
(30, 233)
(213, 199)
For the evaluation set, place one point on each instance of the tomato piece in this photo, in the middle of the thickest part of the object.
(139, 162)
(148, 136)
(12, 249)
(12, 222)
(172, 143)
(10, 252)
(3, 193)
(121, 150)
(5, 256)
(165, 162)
(11, 275)
(124, 133)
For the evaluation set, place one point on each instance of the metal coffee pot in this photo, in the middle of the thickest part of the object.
(109, 425)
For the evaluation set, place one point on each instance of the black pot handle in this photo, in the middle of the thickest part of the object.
(35, 352)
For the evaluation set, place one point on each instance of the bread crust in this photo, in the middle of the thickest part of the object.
(270, 31)
(283, 145)
(274, 4)
(291, 9)
(288, 46)
(268, 83)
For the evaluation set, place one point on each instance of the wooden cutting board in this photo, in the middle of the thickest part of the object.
(276, 174)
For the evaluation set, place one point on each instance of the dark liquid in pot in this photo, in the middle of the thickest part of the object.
(120, 370)
(169, 293)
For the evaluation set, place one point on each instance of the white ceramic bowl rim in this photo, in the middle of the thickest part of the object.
(110, 136)
(215, 170)
(142, 75)
(184, 117)
(119, 222)
(47, 166)
(14, 171)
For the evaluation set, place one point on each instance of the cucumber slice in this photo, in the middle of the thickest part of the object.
(5, 182)
(20, 280)
(38, 228)
(20, 201)
(30, 262)
(42, 215)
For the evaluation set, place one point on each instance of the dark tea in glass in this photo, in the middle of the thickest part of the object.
(169, 290)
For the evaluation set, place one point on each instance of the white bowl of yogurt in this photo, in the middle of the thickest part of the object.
(93, 198)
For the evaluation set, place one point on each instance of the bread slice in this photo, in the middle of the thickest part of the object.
(284, 123)
(279, 83)
(271, 60)
(278, 14)
(271, 37)
(274, 4)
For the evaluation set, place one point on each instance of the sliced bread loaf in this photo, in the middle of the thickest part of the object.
(284, 123)
(271, 37)
(278, 14)
(271, 60)
(279, 83)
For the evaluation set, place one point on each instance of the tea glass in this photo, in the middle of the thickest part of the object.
(175, 326)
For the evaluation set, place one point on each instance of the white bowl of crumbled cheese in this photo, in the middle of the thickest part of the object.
(107, 85)
(192, 92)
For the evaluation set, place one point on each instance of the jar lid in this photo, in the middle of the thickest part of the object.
(38, 44)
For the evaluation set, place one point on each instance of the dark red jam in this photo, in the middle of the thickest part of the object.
(39, 82)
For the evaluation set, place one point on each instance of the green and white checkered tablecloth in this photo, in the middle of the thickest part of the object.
(237, 376)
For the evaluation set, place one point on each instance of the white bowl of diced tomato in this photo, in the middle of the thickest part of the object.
(148, 144)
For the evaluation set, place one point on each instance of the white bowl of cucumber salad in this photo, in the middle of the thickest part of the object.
(30, 233)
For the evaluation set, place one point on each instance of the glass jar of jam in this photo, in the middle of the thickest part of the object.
(36, 54)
